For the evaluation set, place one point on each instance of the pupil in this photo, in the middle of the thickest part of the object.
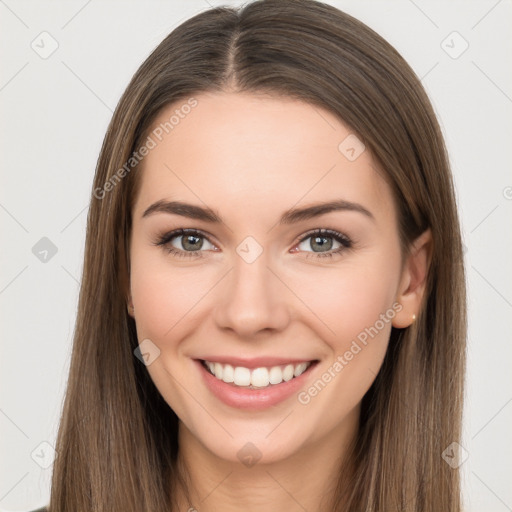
(187, 240)
(323, 245)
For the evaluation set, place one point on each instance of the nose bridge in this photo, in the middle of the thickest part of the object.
(253, 299)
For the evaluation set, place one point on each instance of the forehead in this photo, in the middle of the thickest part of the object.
(257, 155)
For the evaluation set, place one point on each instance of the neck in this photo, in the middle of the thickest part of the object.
(307, 480)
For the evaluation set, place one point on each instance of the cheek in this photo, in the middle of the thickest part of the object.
(357, 306)
(155, 305)
(351, 298)
(165, 301)
(162, 295)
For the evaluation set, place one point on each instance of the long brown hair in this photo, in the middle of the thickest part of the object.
(117, 443)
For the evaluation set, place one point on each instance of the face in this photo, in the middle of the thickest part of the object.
(255, 286)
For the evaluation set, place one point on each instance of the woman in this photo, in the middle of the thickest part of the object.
(272, 310)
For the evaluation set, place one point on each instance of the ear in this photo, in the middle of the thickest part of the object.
(413, 280)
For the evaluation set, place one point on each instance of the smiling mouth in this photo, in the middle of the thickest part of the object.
(256, 378)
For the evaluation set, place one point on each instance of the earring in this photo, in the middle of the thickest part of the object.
(413, 317)
(130, 308)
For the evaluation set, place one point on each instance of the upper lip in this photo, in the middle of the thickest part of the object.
(256, 362)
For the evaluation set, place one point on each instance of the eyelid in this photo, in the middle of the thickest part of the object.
(167, 236)
(346, 242)
(323, 231)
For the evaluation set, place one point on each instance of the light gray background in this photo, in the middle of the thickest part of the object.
(54, 113)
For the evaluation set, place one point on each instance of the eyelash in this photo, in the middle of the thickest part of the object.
(166, 238)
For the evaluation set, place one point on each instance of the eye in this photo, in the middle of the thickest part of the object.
(192, 241)
(190, 245)
(322, 242)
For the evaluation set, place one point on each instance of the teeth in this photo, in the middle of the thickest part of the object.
(228, 373)
(218, 370)
(288, 372)
(275, 376)
(300, 369)
(258, 377)
(242, 376)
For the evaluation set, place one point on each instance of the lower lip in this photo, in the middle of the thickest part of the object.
(255, 399)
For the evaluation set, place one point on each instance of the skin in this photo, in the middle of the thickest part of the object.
(251, 158)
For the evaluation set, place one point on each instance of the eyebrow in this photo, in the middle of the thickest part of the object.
(289, 217)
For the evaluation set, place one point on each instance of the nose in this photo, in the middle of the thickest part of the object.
(252, 299)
